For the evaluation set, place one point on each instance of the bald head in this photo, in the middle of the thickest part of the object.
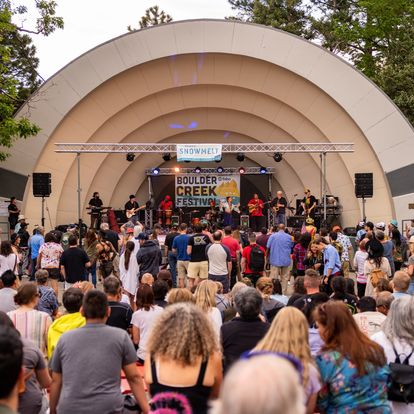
(279, 193)
(281, 227)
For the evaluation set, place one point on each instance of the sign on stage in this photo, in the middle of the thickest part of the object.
(200, 190)
(199, 152)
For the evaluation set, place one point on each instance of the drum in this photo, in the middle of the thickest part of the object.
(195, 221)
(168, 214)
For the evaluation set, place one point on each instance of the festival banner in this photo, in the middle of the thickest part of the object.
(199, 190)
(198, 152)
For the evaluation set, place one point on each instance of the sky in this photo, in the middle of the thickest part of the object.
(89, 23)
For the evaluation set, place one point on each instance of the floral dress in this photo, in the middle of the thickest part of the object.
(344, 391)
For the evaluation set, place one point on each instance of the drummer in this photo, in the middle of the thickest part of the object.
(166, 207)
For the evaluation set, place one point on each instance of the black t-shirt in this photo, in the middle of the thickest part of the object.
(198, 242)
(131, 206)
(95, 202)
(73, 260)
(170, 238)
(238, 336)
(121, 315)
(13, 210)
(112, 237)
(306, 300)
(277, 201)
(309, 202)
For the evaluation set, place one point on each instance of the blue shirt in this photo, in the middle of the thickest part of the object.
(34, 243)
(331, 260)
(280, 247)
(180, 243)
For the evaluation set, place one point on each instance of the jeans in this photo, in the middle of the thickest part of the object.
(223, 279)
(411, 288)
(172, 262)
(92, 272)
(33, 269)
(280, 218)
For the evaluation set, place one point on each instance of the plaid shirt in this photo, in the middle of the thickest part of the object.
(299, 254)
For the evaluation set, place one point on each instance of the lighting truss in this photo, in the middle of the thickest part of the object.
(310, 147)
(228, 170)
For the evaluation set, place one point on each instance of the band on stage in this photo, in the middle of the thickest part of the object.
(226, 213)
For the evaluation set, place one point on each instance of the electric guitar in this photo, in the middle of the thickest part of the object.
(133, 211)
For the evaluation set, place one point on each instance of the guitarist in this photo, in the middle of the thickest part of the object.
(95, 205)
(279, 208)
(256, 212)
(131, 209)
(308, 204)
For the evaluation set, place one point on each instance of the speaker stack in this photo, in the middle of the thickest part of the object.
(364, 185)
(42, 184)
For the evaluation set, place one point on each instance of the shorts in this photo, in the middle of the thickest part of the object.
(54, 273)
(223, 279)
(182, 269)
(198, 270)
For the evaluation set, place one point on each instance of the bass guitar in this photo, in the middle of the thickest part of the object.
(133, 211)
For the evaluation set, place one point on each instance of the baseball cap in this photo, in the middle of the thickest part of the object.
(142, 236)
(336, 228)
(380, 225)
(361, 223)
(129, 230)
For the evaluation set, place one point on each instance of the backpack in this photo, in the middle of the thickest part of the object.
(376, 275)
(339, 248)
(401, 388)
(257, 259)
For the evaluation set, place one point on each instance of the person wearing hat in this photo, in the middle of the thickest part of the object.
(308, 204)
(310, 227)
(361, 232)
(149, 256)
(20, 221)
(132, 207)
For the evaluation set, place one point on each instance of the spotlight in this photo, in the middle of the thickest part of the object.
(130, 157)
(197, 170)
(220, 169)
(242, 170)
(187, 161)
(263, 170)
(177, 169)
(217, 161)
(240, 157)
(166, 156)
(277, 156)
(155, 171)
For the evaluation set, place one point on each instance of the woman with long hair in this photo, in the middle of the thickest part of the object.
(270, 306)
(288, 334)
(106, 254)
(8, 259)
(399, 252)
(31, 323)
(188, 363)
(353, 368)
(129, 271)
(299, 253)
(376, 266)
(339, 288)
(314, 259)
(397, 340)
(205, 299)
(143, 319)
(91, 242)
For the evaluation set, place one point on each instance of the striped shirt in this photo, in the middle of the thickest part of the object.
(33, 325)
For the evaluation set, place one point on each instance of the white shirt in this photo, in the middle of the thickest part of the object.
(359, 263)
(129, 278)
(144, 321)
(8, 263)
(215, 317)
(369, 322)
(403, 349)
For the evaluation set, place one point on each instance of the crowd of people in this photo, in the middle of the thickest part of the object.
(208, 321)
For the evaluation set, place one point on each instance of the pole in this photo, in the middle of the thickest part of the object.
(79, 190)
(324, 186)
(321, 177)
(43, 211)
(363, 209)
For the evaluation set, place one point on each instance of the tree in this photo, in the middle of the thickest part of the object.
(152, 17)
(18, 66)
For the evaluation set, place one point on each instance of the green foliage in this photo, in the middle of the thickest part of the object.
(152, 17)
(18, 66)
(377, 36)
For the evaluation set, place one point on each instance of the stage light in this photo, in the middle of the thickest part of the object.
(155, 171)
(166, 156)
(197, 170)
(217, 161)
(177, 169)
(130, 157)
(220, 169)
(240, 157)
(277, 156)
(242, 170)
(263, 170)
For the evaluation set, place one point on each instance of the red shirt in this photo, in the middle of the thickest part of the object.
(258, 211)
(232, 244)
(166, 205)
(246, 255)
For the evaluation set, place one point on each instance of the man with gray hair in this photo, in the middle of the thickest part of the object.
(384, 300)
(243, 332)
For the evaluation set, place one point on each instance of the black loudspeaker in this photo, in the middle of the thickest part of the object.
(364, 185)
(42, 184)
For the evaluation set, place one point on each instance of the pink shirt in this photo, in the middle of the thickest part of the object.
(232, 244)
